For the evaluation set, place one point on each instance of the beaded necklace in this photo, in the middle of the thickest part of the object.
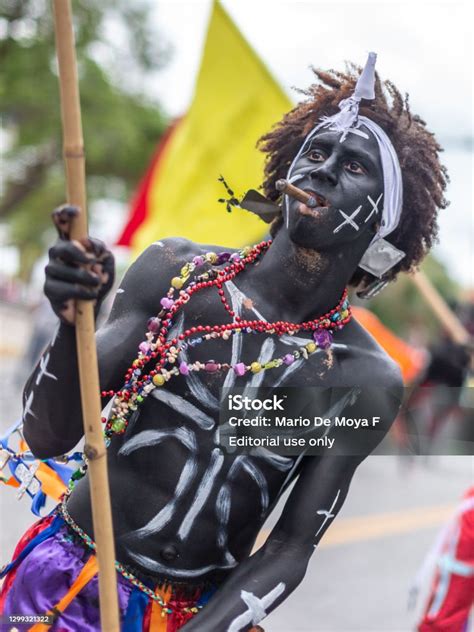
(138, 384)
(133, 579)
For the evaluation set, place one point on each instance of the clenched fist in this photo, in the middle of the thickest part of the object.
(76, 269)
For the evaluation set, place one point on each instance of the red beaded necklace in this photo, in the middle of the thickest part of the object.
(137, 386)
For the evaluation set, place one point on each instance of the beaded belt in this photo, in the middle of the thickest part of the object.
(89, 542)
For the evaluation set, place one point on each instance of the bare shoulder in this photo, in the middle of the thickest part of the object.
(168, 254)
(378, 381)
(148, 278)
(369, 361)
(165, 254)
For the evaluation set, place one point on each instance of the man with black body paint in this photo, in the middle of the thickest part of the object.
(301, 276)
(309, 266)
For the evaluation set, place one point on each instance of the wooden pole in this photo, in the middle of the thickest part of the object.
(94, 447)
(444, 314)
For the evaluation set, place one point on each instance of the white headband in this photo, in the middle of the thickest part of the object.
(346, 121)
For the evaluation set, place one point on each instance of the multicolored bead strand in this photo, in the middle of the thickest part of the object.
(156, 346)
(66, 516)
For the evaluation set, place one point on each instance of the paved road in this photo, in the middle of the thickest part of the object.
(358, 579)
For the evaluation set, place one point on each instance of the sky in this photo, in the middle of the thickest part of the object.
(425, 48)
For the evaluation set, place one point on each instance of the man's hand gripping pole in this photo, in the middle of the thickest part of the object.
(85, 323)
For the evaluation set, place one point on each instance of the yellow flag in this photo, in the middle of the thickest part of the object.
(236, 101)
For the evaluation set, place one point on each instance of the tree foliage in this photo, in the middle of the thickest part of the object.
(116, 46)
(402, 309)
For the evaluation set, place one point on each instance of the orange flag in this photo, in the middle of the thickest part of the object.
(409, 359)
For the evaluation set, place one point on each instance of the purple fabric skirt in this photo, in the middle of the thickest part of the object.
(45, 576)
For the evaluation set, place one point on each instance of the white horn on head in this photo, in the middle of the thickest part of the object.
(365, 85)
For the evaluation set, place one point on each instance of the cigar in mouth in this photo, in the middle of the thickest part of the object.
(285, 187)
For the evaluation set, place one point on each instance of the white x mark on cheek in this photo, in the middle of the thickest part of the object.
(375, 205)
(348, 219)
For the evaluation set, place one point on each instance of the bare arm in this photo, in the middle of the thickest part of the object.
(52, 406)
(264, 580)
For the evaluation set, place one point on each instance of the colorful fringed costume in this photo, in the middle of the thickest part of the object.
(53, 573)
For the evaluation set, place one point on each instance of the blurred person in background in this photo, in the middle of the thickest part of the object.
(451, 597)
(436, 391)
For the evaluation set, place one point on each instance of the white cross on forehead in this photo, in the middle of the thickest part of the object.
(348, 130)
(332, 128)
(348, 219)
